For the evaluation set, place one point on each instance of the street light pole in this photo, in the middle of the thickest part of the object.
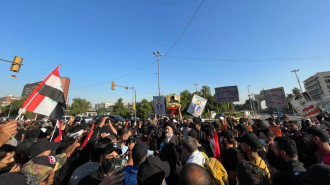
(196, 84)
(295, 72)
(158, 54)
(248, 87)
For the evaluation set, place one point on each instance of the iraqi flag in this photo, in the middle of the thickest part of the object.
(48, 98)
(57, 134)
(89, 135)
(215, 146)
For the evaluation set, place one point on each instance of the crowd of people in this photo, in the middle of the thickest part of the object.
(166, 151)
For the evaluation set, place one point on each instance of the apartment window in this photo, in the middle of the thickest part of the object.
(327, 81)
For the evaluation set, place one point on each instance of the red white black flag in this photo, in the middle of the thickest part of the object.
(48, 98)
(57, 134)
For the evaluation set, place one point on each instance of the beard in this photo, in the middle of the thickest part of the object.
(168, 135)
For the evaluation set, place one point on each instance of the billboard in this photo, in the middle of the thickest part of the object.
(172, 104)
(159, 105)
(275, 98)
(226, 94)
(197, 105)
(305, 106)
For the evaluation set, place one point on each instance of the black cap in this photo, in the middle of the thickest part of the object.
(270, 119)
(139, 150)
(216, 124)
(259, 124)
(33, 132)
(316, 131)
(105, 129)
(24, 145)
(242, 127)
(228, 134)
(112, 147)
(251, 140)
(152, 171)
(41, 146)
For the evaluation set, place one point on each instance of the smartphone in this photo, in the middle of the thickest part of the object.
(119, 163)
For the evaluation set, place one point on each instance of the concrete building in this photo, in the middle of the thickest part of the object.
(106, 105)
(4, 101)
(318, 86)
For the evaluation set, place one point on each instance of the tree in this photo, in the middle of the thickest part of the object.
(296, 91)
(205, 91)
(101, 110)
(143, 109)
(79, 106)
(185, 99)
(13, 107)
(120, 109)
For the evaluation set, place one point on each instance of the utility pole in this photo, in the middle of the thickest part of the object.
(158, 54)
(295, 72)
(196, 84)
(248, 87)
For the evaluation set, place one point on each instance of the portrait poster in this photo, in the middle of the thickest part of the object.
(226, 94)
(305, 106)
(159, 105)
(275, 98)
(172, 104)
(197, 105)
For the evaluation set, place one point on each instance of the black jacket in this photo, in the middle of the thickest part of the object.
(93, 179)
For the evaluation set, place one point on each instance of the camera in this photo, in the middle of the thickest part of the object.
(133, 139)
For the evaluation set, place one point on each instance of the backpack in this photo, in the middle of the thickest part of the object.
(217, 172)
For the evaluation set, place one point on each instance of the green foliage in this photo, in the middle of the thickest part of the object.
(143, 108)
(246, 105)
(101, 111)
(185, 99)
(14, 108)
(121, 109)
(79, 106)
(296, 91)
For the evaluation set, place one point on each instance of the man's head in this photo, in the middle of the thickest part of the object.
(249, 143)
(242, 129)
(266, 136)
(139, 153)
(285, 148)
(316, 136)
(105, 131)
(198, 102)
(112, 150)
(159, 101)
(169, 129)
(271, 121)
(189, 146)
(294, 126)
(194, 174)
(153, 171)
(245, 121)
(7, 160)
(228, 137)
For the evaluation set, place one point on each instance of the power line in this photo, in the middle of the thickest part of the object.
(253, 60)
(185, 29)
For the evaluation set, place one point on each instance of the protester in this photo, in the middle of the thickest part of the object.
(193, 174)
(153, 171)
(274, 127)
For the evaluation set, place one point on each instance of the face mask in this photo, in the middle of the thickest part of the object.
(7, 168)
(263, 142)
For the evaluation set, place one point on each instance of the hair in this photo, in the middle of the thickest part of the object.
(65, 145)
(193, 133)
(193, 174)
(251, 174)
(75, 129)
(209, 131)
(189, 143)
(4, 149)
(288, 145)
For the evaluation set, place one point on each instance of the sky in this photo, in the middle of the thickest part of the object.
(256, 43)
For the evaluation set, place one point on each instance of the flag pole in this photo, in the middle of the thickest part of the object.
(53, 131)
(24, 109)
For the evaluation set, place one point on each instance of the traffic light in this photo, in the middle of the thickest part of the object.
(134, 107)
(16, 65)
(113, 85)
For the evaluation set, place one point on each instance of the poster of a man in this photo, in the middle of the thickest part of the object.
(159, 105)
(305, 106)
(197, 105)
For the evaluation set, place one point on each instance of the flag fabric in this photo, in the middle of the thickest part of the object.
(215, 146)
(57, 134)
(48, 98)
(89, 135)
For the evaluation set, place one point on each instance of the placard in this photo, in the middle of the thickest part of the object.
(226, 94)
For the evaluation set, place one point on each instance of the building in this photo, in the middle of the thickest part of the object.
(318, 86)
(4, 101)
(104, 105)
(28, 88)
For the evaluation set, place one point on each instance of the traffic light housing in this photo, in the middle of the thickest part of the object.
(16, 65)
(113, 85)
(134, 106)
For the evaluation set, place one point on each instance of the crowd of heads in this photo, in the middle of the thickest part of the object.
(166, 150)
